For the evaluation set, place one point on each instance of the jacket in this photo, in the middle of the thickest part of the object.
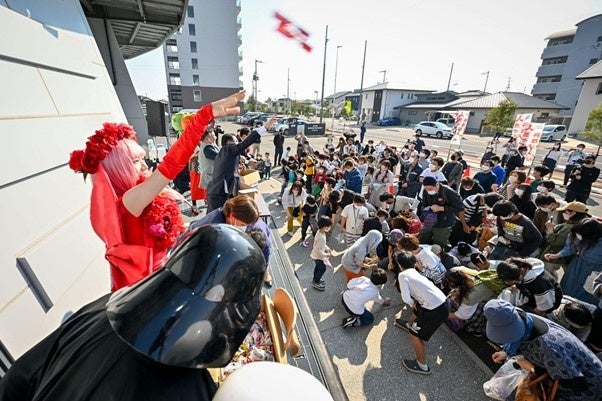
(447, 198)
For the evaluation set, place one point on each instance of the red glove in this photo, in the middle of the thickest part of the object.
(177, 158)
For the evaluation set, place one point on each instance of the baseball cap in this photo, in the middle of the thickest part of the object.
(430, 181)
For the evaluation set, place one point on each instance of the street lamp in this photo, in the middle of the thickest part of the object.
(334, 92)
(255, 79)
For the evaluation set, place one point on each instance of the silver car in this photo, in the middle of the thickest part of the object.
(433, 128)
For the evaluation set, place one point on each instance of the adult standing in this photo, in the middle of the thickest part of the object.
(207, 154)
(226, 179)
(551, 158)
(419, 143)
(582, 178)
(278, 146)
(446, 203)
(486, 178)
(576, 156)
(548, 346)
(362, 131)
(516, 160)
(452, 170)
(409, 179)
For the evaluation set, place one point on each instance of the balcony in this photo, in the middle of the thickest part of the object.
(547, 87)
(556, 51)
(549, 70)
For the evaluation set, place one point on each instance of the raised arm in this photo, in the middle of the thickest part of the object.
(137, 198)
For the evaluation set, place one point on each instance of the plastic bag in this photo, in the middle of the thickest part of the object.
(505, 380)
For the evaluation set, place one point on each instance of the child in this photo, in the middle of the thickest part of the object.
(287, 153)
(352, 219)
(358, 255)
(359, 291)
(321, 252)
(267, 167)
(310, 211)
(325, 209)
(429, 310)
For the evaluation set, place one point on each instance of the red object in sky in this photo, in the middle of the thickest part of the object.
(292, 31)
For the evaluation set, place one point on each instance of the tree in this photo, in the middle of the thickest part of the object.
(501, 117)
(593, 127)
(251, 103)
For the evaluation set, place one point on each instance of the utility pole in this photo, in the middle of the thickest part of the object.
(288, 94)
(255, 79)
(486, 79)
(359, 104)
(323, 75)
(508, 85)
(384, 75)
(336, 67)
(451, 71)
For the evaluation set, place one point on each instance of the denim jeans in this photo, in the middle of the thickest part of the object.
(319, 270)
(366, 318)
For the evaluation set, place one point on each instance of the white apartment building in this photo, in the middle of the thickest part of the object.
(567, 54)
(202, 59)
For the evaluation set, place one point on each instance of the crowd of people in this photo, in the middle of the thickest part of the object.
(471, 252)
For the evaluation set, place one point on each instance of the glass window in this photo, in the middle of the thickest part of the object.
(402, 95)
(192, 29)
(173, 63)
(195, 63)
(175, 109)
(171, 45)
(599, 90)
(411, 112)
(593, 60)
(599, 39)
(195, 80)
(174, 79)
(190, 12)
(192, 47)
(176, 95)
(196, 95)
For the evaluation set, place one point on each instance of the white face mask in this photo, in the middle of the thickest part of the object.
(431, 192)
(432, 167)
(567, 216)
(579, 237)
(541, 188)
(545, 209)
(519, 192)
(421, 154)
(485, 168)
(506, 217)
(512, 179)
(383, 169)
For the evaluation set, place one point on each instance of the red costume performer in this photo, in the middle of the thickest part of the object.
(138, 231)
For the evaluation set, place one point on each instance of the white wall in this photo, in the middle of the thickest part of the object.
(588, 100)
(55, 92)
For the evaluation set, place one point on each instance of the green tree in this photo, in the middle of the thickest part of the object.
(251, 103)
(593, 127)
(501, 117)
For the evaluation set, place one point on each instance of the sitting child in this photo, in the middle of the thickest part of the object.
(359, 291)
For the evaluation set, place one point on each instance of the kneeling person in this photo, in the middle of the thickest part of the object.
(359, 291)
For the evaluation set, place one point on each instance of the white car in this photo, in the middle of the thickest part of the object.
(553, 133)
(433, 128)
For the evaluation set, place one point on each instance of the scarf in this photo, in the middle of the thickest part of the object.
(512, 348)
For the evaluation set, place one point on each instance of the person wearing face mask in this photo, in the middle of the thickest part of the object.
(584, 243)
(434, 170)
(575, 156)
(419, 143)
(545, 187)
(498, 170)
(382, 178)
(452, 170)
(423, 158)
(409, 183)
(516, 160)
(471, 218)
(522, 200)
(551, 158)
(444, 201)
(353, 177)
(352, 219)
(555, 235)
(517, 235)
(547, 212)
(582, 179)
(515, 178)
(292, 199)
(489, 153)
(486, 178)
(539, 172)
(469, 187)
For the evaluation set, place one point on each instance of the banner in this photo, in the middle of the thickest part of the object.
(520, 123)
(530, 138)
(461, 118)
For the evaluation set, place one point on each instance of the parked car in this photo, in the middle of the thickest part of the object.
(433, 128)
(449, 121)
(389, 121)
(553, 133)
(284, 126)
(244, 119)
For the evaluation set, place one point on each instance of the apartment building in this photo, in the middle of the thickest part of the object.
(568, 53)
(202, 59)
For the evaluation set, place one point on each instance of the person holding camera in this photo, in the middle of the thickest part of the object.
(582, 178)
(575, 156)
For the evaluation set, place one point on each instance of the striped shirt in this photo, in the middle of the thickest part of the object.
(472, 206)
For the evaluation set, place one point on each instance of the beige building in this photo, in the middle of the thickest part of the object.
(589, 98)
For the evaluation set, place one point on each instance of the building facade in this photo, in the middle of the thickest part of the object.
(567, 54)
(380, 101)
(202, 59)
(590, 98)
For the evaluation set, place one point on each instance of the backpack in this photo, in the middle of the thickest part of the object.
(429, 219)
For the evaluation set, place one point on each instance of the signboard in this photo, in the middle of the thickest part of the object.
(315, 129)
(292, 126)
(527, 134)
(520, 124)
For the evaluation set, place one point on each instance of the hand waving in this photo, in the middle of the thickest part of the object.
(229, 105)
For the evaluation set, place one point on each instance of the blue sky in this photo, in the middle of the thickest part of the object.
(415, 41)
